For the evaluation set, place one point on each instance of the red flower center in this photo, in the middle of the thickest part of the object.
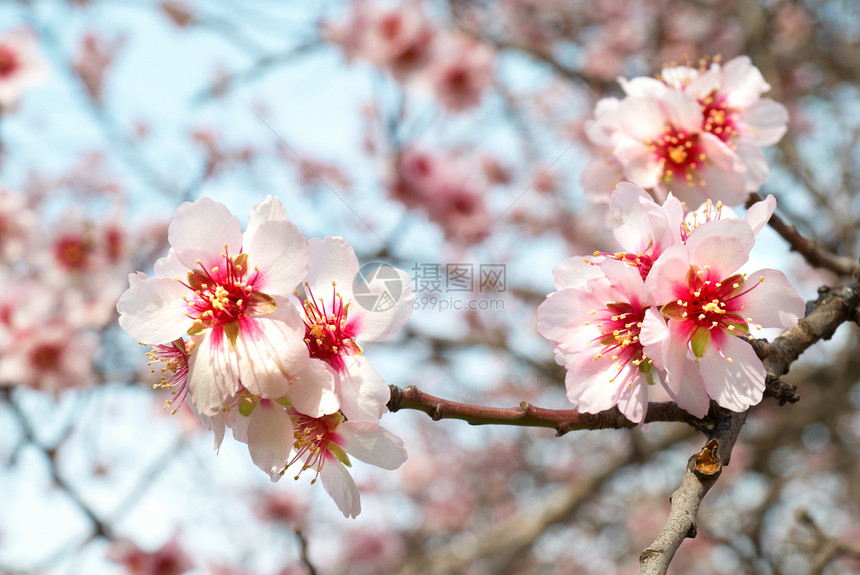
(225, 293)
(8, 61)
(720, 118)
(679, 154)
(328, 332)
(619, 325)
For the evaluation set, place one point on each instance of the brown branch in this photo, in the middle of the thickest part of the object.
(812, 252)
(527, 415)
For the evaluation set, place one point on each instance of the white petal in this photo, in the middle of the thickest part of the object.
(212, 373)
(575, 272)
(312, 390)
(331, 260)
(152, 310)
(268, 210)
(771, 300)
(363, 392)
(201, 230)
(765, 122)
(270, 438)
(633, 400)
(339, 484)
(689, 391)
(758, 215)
(278, 252)
(735, 385)
(382, 304)
(370, 442)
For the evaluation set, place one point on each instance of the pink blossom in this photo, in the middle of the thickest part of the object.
(170, 559)
(460, 72)
(40, 348)
(20, 67)
(694, 132)
(397, 37)
(706, 303)
(341, 308)
(230, 293)
(595, 328)
(732, 107)
(446, 190)
(324, 445)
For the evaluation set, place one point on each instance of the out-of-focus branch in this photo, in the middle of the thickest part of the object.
(112, 132)
(826, 548)
(100, 528)
(263, 65)
(833, 307)
(527, 415)
(519, 531)
(816, 255)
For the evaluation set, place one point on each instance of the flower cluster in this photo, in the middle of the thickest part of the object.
(455, 68)
(260, 331)
(667, 317)
(60, 274)
(694, 131)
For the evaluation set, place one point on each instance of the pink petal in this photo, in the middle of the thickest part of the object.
(771, 300)
(575, 272)
(201, 230)
(735, 385)
(339, 484)
(633, 401)
(758, 215)
(688, 391)
(742, 82)
(588, 385)
(563, 315)
(627, 281)
(682, 112)
(668, 276)
(371, 443)
(270, 438)
(724, 245)
(152, 310)
(653, 335)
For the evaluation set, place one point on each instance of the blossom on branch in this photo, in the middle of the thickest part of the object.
(695, 132)
(667, 316)
(229, 292)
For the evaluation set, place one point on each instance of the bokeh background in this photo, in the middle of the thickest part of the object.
(460, 150)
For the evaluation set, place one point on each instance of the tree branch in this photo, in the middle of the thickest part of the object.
(527, 415)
